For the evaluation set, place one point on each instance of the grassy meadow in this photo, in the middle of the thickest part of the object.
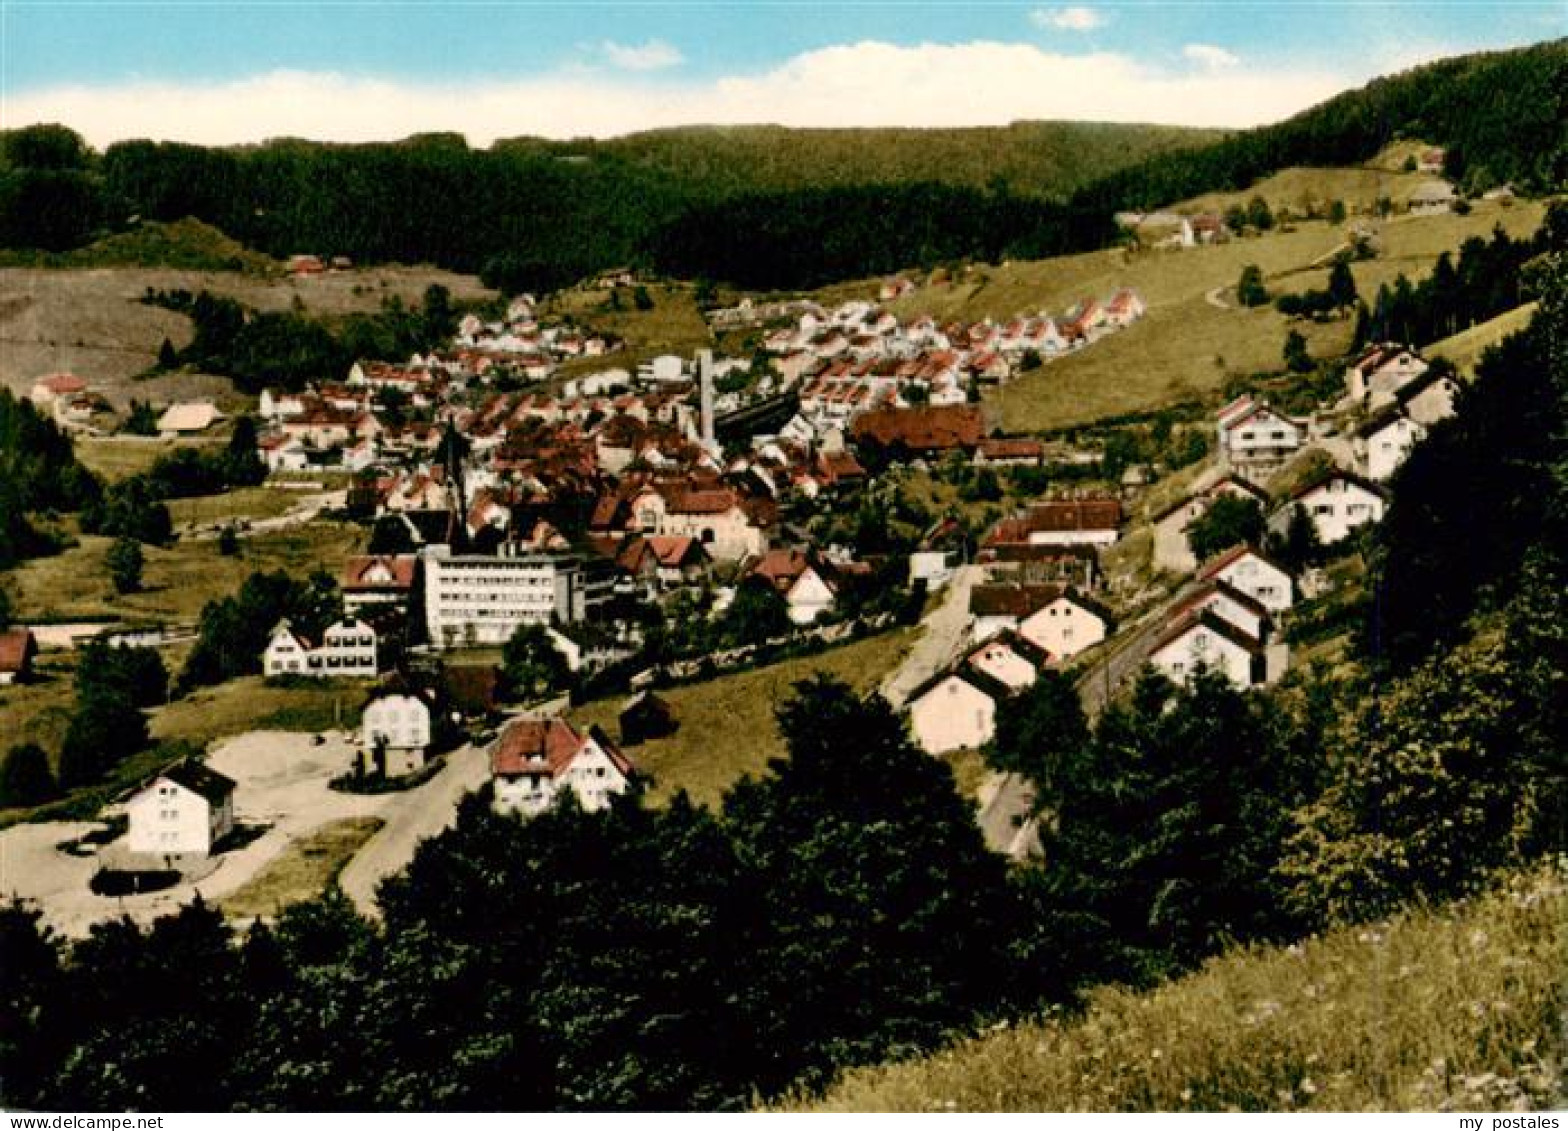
(304, 870)
(1465, 348)
(1451, 1008)
(726, 724)
(176, 581)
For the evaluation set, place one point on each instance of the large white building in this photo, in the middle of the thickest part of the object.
(186, 810)
(475, 599)
(347, 650)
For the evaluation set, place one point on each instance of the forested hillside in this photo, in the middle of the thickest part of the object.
(1500, 116)
(538, 214)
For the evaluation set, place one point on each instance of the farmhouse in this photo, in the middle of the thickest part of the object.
(186, 810)
(187, 419)
(536, 760)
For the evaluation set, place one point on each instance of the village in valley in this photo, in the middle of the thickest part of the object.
(555, 541)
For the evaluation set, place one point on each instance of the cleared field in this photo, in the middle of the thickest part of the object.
(119, 459)
(176, 582)
(1464, 349)
(726, 724)
(673, 325)
(250, 703)
(1300, 189)
(306, 869)
(1457, 1008)
(89, 321)
(41, 710)
(237, 505)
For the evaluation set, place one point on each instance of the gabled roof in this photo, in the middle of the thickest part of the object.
(549, 746)
(1219, 564)
(1332, 476)
(993, 689)
(1413, 388)
(1212, 621)
(1063, 515)
(1015, 641)
(400, 566)
(1212, 586)
(1379, 421)
(197, 778)
(1009, 599)
(933, 428)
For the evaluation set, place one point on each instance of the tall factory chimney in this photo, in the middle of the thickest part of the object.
(705, 385)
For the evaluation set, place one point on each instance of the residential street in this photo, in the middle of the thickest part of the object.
(944, 633)
(410, 818)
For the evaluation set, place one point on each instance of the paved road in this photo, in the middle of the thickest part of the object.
(410, 818)
(945, 631)
(1006, 799)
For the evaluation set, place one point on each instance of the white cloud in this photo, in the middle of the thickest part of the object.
(856, 84)
(1067, 19)
(655, 55)
(1209, 57)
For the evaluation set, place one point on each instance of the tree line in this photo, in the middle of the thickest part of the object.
(536, 216)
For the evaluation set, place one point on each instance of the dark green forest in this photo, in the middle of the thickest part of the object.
(762, 206)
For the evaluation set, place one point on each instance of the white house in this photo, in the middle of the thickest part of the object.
(401, 720)
(955, 710)
(1251, 432)
(1208, 641)
(186, 810)
(1060, 620)
(934, 567)
(1229, 604)
(347, 650)
(1429, 398)
(536, 760)
(1337, 505)
(807, 584)
(1383, 442)
(1248, 571)
(1172, 551)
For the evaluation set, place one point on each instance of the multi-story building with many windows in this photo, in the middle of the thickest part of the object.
(477, 599)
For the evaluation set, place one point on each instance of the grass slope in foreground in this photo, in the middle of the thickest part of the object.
(726, 724)
(1458, 1008)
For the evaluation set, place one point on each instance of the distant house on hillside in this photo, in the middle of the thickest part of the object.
(1207, 640)
(187, 419)
(1259, 577)
(1383, 442)
(184, 811)
(1433, 199)
(1381, 371)
(17, 649)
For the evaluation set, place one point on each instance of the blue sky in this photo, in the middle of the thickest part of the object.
(218, 72)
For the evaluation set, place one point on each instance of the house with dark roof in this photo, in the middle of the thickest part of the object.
(536, 760)
(1058, 619)
(184, 811)
(1337, 504)
(1206, 640)
(646, 716)
(1249, 571)
(932, 430)
(955, 709)
(17, 649)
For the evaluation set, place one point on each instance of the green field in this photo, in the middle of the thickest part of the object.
(250, 703)
(120, 458)
(726, 724)
(1458, 1008)
(305, 870)
(1186, 347)
(674, 325)
(176, 582)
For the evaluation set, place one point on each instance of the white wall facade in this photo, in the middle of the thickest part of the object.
(952, 715)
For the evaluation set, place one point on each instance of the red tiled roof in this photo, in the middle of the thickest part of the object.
(400, 566)
(547, 746)
(1074, 514)
(935, 428)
